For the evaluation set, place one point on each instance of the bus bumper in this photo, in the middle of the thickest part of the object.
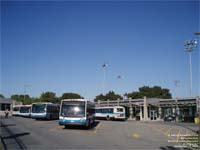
(72, 122)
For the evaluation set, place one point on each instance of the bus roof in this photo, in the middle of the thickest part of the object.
(25, 105)
(42, 103)
(17, 106)
(109, 107)
(74, 100)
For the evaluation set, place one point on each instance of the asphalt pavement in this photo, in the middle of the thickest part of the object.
(27, 133)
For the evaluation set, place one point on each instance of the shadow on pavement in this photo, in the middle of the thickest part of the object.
(7, 125)
(40, 119)
(16, 135)
(79, 127)
(174, 148)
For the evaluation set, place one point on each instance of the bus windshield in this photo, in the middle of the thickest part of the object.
(73, 109)
(38, 108)
(16, 109)
(24, 109)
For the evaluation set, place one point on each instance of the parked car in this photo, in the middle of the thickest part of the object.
(170, 118)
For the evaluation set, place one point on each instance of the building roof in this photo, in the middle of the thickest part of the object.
(5, 101)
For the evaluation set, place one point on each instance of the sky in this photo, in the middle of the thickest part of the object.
(61, 46)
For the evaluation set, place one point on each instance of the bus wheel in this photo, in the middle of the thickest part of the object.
(66, 126)
(88, 124)
(107, 118)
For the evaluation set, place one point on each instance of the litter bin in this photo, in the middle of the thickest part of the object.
(196, 120)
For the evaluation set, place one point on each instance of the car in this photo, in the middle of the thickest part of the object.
(170, 118)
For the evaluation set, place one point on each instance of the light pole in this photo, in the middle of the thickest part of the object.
(176, 82)
(25, 86)
(198, 99)
(189, 46)
(119, 77)
(104, 77)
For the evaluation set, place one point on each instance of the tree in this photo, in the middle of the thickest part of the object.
(100, 97)
(109, 96)
(25, 99)
(112, 96)
(1, 96)
(71, 96)
(150, 92)
(48, 97)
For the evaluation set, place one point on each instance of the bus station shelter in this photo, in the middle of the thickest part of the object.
(156, 109)
(5, 104)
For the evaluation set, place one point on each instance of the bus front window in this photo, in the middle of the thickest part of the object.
(73, 110)
(38, 108)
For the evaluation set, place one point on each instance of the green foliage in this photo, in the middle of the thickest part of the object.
(71, 96)
(100, 97)
(150, 92)
(48, 97)
(1, 96)
(109, 96)
(25, 99)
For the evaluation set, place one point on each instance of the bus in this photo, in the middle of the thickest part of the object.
(16, 109)
(77, 112)
(110, 113)
(25, 111)
(45, 110)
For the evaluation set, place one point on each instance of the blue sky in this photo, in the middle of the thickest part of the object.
(61, 46)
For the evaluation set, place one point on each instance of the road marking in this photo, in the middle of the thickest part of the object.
(98, 126)
(187, 132)
(136, 136)
(168, 131)
(160, 131)
(178, 135)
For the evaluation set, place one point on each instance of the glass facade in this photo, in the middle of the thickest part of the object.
(4, 107)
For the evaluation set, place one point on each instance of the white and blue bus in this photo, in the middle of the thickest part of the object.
(25, 111)
(16, 109)
(110, 113)
(77, 112)
(45, 110)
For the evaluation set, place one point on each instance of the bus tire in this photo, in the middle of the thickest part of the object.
(107, 118)
(88, 124)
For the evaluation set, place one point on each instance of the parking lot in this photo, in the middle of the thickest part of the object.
(26, 133)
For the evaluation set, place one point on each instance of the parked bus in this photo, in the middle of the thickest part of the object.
(77, 112)
(45, 110)
(110, 113)
(25, 111)
(16, 109)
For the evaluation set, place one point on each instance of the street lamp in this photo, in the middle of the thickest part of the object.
(104, 77)
(176, 82)
(189, 46)
(25, 87)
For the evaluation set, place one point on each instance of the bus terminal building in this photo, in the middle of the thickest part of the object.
(156, 109)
